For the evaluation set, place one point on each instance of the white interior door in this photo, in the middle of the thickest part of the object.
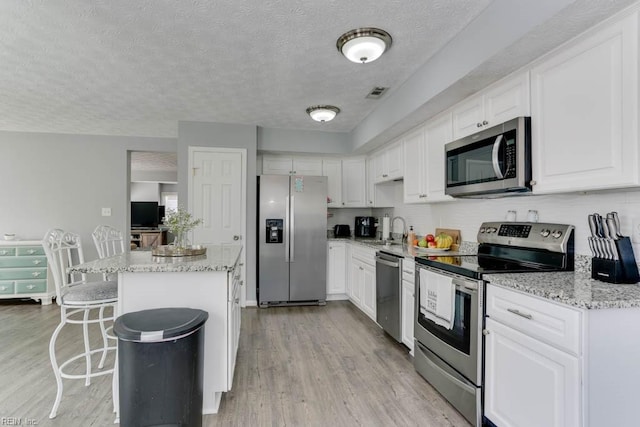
(217, 195)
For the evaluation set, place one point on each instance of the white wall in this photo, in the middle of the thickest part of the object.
(468, 214)
(58, 180)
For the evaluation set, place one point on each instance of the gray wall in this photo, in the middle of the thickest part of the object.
(59, 180)
(200, 134)
(303, 141)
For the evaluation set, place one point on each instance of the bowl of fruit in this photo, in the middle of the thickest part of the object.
(434, 244)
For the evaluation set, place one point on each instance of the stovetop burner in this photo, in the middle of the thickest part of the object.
(512, 248)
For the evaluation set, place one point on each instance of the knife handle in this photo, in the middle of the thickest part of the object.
(592, 225)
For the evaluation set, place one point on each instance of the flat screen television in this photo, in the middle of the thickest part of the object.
(144, 214)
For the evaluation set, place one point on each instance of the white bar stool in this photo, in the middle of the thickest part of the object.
(77, 298)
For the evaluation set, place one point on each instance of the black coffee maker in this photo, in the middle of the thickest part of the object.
(365, 226)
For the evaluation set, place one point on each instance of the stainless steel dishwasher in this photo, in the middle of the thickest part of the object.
(388, 296)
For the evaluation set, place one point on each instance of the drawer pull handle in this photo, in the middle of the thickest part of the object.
(36, 274)
(3, 252)
(31, 251)
(30, 287)
(3, 288)
(519, 313)
(36, 261)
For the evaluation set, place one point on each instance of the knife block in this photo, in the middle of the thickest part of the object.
(623, 270)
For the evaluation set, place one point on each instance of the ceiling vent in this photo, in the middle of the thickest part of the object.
(377, 92)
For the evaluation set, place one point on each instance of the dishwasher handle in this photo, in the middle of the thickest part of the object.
(387, 263)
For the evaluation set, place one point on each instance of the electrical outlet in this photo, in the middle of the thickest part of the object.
(106, 211)
(635, 231)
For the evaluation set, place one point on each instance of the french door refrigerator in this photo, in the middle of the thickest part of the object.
(292, 240)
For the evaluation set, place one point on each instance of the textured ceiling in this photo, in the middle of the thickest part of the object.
(148, 161)
(122, 67)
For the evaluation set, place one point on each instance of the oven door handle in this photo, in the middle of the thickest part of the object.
(494, 157)
(472, 286)
(387, 263)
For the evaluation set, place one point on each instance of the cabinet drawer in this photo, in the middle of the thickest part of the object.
(408, 267)
(30, 261)
(31, 286)
(406, 277)
(365, 255)
(30, 250)
(544, 320)
(6, 288)
(7, 251)
(23, 273)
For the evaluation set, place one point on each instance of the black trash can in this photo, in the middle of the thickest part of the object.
(160, 364)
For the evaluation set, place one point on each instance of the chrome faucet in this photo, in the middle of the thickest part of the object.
(404, 228)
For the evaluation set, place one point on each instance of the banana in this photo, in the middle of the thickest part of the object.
(443, 241)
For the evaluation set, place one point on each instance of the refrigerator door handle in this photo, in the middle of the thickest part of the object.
(286, 232)
(292, 214)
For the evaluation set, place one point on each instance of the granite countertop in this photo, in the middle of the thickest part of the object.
(466, 248)
(574, 288)
(217, 258)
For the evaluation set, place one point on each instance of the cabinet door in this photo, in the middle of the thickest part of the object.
(336, 268)
(585, 113)
(394, 161)
(507, 100)
(407, 313)
(277, 165)
(371, 182)
(415, 161)
(356, 281)
(369, 290)
(354, 187)
(307, 166)
(379, 170)
(437, 134)
(529, 383)
(332, 169)
(468, 117)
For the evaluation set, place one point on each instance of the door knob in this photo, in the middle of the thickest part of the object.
(236, 237)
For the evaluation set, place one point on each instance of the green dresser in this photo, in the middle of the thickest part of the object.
(24, 272)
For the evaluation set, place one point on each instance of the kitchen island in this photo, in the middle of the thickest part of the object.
(209, 282)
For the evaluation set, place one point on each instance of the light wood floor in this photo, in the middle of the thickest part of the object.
(297, 366)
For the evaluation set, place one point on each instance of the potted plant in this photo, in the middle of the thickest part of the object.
(180, 222)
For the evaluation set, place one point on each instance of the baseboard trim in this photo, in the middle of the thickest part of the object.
(337, 297)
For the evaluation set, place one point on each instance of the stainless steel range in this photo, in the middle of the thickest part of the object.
(449, 309)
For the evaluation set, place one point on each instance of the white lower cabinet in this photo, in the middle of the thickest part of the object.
(551, 364)
(362, 280)
(527, 382)
(408, 302)
(336, 270)
(532, 361)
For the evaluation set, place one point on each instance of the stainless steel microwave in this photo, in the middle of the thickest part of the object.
(492, 163)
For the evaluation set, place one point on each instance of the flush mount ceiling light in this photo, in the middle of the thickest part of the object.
(323, 113)
(364, 45)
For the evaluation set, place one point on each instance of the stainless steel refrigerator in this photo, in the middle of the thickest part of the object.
(292, 240)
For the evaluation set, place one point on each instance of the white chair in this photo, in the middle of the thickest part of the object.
(109, 241)
(77, 298)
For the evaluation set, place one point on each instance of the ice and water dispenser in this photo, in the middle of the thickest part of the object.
(274, 230)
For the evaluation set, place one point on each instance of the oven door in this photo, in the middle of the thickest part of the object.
(492, 161)
(460, 346)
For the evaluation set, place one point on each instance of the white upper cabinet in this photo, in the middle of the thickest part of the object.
(277, 165)
(505, 100)
(416, 164)
(424, 161)
(287, 165)
(437, 133)
(585, 112)
(388, 163)
(332, 169)
(354, 183)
